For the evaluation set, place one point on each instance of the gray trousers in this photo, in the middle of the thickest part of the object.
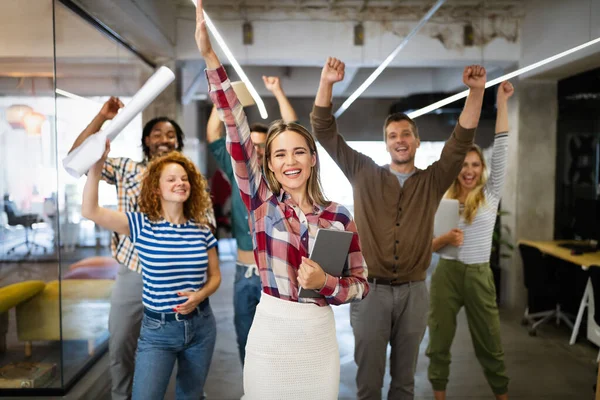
(124, 322)
(395, 315)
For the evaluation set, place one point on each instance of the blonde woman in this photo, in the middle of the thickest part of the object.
(468, 281)
(292, 351)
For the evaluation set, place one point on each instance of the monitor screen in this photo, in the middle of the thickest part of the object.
(585, 219)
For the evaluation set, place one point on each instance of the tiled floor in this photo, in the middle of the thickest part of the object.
(542, 367)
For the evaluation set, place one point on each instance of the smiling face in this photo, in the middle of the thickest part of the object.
(401, 142)
(291, 161)
(472, 170)
(162, 139)
(174, 185)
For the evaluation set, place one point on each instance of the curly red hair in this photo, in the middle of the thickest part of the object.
(196, 207)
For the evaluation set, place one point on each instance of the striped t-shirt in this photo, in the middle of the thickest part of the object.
(477, 239)
(174, 258)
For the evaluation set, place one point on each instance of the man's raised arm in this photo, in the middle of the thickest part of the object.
(474, 77)
(453, 154)
(273, 84)
(324, 125)
(108, 111)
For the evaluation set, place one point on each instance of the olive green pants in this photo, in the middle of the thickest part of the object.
(454, 285)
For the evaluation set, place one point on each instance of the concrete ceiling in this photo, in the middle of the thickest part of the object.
(365, 9)
(291, 38)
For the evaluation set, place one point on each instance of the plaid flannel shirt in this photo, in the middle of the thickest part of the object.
(282, 234)
(126, 175)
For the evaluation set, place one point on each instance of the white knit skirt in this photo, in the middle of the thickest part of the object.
(292, 352)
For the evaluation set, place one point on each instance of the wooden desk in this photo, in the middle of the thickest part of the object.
(552, 248)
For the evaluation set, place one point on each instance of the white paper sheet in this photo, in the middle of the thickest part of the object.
(79, 161)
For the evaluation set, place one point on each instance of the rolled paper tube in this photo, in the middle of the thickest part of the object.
(79, 161)
(242, 93)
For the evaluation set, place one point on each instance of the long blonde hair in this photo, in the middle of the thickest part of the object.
(476, 197)
(314, 188)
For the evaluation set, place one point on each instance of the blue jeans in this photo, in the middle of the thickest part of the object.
(246, 295)
(191, 342)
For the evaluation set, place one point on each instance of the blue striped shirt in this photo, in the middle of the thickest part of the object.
(174, 258)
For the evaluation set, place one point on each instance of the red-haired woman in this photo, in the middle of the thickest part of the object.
(180, 270)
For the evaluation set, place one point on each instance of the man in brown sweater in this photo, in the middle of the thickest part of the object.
(394, 208)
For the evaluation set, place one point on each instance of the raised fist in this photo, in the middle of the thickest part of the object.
(474, 77)
(505, 90)
(333, 71)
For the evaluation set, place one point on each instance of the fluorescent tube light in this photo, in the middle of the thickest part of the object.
(496, 81)
(388, 60)
(261, 106)
(74, 96)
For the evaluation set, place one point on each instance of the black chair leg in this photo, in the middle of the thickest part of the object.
(29, 244)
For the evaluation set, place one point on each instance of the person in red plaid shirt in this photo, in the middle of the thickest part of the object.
(292, 351)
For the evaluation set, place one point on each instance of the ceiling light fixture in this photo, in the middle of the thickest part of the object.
(388, 60)
(33, 122)
(496, 81)
(16, 113)
(74, 96)
(236, 66)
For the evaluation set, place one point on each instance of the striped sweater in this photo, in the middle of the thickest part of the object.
(477, 244)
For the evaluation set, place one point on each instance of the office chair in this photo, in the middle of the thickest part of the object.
(15, 218)
(542, 282)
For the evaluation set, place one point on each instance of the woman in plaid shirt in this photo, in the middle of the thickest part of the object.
(292, 351)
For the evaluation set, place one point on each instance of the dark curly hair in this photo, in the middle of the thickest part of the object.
(260, 128)
(150, 125)
(196, 207)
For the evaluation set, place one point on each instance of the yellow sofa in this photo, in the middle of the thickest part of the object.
(84, 308)
(11, 296)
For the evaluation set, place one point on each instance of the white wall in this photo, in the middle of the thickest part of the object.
(554, 26)
(309, 43)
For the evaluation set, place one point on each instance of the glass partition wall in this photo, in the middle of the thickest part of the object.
(56, 269)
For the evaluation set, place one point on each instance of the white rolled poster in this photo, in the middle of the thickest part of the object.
(79, 161)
